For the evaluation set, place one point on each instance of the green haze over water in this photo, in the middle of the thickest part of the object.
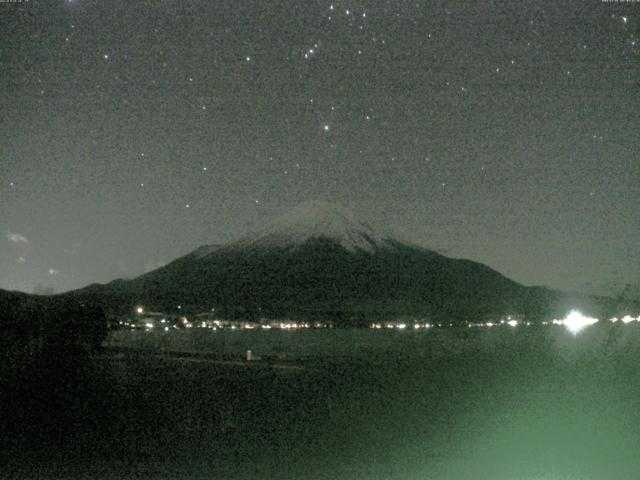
(502, 403)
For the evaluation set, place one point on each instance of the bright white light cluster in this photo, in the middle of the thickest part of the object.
(576, 321)
(626, 319)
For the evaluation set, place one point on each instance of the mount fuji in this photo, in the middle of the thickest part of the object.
(318, 261)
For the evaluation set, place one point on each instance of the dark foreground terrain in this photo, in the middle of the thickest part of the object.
(536, 403)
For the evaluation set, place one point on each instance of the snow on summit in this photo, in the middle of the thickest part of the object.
(319, 219)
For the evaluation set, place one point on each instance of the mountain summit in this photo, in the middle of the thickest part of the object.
(317, 220)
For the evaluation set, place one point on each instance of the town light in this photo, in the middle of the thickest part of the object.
(576, 321)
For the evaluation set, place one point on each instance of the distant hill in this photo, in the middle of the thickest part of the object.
(319, 262)
(32, 325)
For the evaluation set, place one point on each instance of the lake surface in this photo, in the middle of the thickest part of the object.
(501, 403)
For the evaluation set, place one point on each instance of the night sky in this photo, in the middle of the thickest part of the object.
(132, 132)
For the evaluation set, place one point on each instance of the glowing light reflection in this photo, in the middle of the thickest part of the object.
(575, 321)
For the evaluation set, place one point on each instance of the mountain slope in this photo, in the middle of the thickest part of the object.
(319, 261)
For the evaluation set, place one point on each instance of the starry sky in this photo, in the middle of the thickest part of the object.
(504, 132)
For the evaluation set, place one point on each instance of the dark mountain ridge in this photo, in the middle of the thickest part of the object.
(319, 262)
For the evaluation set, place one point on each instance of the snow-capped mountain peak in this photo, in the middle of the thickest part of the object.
(319, 219)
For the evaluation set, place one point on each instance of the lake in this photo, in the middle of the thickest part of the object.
(456, 403)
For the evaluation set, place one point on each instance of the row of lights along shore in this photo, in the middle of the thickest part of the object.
(575, 322)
